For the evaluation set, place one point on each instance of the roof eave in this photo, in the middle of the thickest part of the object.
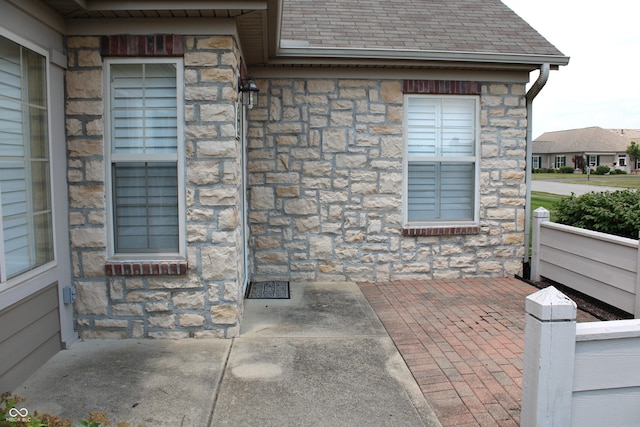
(312, 55)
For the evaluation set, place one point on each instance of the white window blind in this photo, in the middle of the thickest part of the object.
(25, 199)
(440, 163)
(144, 156)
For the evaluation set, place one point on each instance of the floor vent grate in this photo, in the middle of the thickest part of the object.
(268, 290)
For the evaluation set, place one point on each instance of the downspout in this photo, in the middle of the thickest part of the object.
(531, 94)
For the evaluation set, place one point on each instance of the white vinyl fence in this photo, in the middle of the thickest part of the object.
(600, 265)
(584, 374)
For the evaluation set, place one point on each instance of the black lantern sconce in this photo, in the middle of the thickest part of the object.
(249, 91)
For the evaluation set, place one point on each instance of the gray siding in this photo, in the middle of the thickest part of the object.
(29, 336)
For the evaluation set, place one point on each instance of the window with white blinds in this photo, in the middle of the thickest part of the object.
(441, 159)
(146, 165)
(26, 236)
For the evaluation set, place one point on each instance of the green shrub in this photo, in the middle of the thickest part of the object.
(566, 169)
(621, 172)
(615, 212)
(602, 170)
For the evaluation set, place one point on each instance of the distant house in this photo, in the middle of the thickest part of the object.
(138, 165)
(596, 145)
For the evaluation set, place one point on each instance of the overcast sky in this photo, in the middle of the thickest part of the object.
(601, 84)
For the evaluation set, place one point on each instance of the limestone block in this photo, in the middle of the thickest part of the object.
(165, 321)
(218, 196)
(190, 320)
(84, 147)
(228, 219)
(92, 108)
(224, 314)
(279, 128)
(320, 247)
(154, 307)
(283, 178)
(268, 242)
(301, 207)
(174, 282)
(84, 83)
(134, 283)
(391, 92)
(309, 224)
(262, 198)
(87, 237)
(91, 298)
(189, 300)
(489, 267)
(219, 262)
(145, 296)
(201, 93)
(317, 168)
(126, 309)
(209, 334)
(77, 42)
(194, 214)
(231, 292)
(89, 58)
(271, 257)
(93, 263)
(217, 113)
(203, 172)
(200, 131)
(342, 118)
(351, 161)
(169, 335)
(200, 59)
(334, 140)
(390, 183)
(196, 233)
(111, 323)
(86, 196)
(215, 42)
(288, 191)
(382, 203)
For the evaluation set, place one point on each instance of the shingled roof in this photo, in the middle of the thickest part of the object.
(590, 140)
(480, 27)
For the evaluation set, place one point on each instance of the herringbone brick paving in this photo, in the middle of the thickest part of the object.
(463, 340)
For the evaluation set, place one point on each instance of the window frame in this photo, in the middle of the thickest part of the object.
(112, 158)
(538, 160)
(622, 160)
(564, 162)
(476, 162)
(7, 283)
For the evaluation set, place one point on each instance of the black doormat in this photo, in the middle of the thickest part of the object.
(268, 290)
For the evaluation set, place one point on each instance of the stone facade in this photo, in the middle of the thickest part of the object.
(325, 191)
(325, 171)
(206, 301)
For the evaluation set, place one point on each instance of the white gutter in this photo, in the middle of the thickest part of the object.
(531, 94)
(305, 54)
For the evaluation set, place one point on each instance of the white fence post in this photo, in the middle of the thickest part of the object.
(540, 215)
(549, 352)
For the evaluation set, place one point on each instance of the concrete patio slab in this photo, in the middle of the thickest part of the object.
(148, 382)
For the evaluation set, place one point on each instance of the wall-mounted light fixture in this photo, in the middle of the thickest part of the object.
(249, 91)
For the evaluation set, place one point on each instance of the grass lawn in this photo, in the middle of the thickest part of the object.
(622, 181)
(546, 200)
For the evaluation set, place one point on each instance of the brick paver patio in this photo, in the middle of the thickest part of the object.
(463, 340)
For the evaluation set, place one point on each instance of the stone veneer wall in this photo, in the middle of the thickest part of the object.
(207, 301)
(325, 170)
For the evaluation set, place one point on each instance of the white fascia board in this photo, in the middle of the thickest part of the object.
(293, 55)
(98, 5)
(141, 26)
(505, 76)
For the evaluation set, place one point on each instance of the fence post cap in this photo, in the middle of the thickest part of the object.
(541, 213)
(551, 304)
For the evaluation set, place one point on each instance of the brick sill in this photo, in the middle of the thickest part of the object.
(145, 268)
(441, 230)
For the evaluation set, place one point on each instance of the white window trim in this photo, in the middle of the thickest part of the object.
(28, 275)
(405, 166)
(110, 157)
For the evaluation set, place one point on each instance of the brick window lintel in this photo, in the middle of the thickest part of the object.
(440, 231)
(145, 268)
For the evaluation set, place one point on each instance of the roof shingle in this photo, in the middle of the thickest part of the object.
(477, 26)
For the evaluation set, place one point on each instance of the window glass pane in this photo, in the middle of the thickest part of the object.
(144, 108)
(146, 207)
(441, 128)
(440, 191)
(25, 195)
